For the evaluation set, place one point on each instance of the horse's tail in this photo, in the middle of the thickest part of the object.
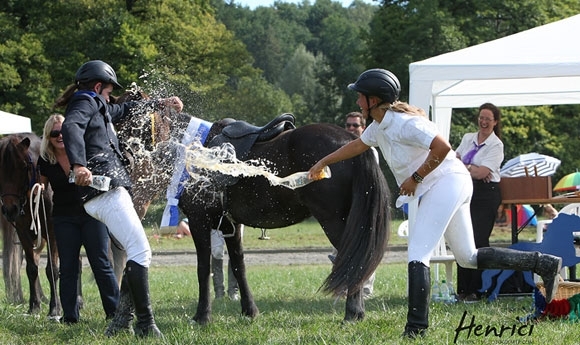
(365, 237)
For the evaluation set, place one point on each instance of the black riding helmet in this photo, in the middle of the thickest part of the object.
(378, 82)
(96, 70)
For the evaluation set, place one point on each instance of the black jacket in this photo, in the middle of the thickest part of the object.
(90, 139)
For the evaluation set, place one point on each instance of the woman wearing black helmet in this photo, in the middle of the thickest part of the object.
(93, 149)
(425, 166)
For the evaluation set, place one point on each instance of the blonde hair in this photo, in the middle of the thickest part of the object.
(402, 107)
(46, 148)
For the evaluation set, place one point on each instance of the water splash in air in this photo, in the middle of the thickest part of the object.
(223, 159)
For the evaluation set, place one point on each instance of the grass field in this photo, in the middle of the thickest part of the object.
(292, 312)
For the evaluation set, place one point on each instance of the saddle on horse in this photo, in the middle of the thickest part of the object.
(242, 136)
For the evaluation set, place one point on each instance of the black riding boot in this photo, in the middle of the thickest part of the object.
(124, 313)
(138, 278)
(418, 304)
(545, 265)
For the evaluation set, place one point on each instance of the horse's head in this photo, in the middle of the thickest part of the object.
(16, 173)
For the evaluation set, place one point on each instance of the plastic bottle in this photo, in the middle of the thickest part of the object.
(300, 179)
(435, 292)
(444, 291)
(98, 182)
(452, 295)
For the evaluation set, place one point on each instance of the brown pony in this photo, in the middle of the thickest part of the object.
(18, 175)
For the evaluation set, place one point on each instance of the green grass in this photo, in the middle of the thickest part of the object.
(292, 312)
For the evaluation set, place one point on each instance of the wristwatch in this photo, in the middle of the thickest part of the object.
(418, 178)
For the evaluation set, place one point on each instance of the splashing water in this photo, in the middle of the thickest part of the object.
(223, 159)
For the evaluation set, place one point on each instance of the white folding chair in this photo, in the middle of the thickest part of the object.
(440, 254)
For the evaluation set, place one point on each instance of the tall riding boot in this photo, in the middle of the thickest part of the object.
(124, 313)
(232, 284)
(217, 269)
(138, 278)
(418, 304)
(545, 265)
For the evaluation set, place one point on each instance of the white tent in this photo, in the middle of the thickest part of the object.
(539, 66)
(10, 123)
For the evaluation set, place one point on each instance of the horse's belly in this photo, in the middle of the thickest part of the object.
(267, 211)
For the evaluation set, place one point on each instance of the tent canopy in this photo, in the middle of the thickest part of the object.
(540, 66)
(10, 123)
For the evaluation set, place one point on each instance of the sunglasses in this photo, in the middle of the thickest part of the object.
(54, 134)
(355, 125)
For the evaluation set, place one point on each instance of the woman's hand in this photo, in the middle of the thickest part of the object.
(316, 172)
(408, 187)
(83, 176)
(174, 103)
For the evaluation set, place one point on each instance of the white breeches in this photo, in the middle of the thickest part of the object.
(445, 210)
(115, 209)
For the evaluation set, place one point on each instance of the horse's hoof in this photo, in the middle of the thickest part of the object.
(54, 318)
(354, 318)
(200, 321)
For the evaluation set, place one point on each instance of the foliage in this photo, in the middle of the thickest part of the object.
(281, 36)
(225, 60)
(416, 30)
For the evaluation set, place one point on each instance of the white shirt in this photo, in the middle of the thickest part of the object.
(489, 155)
(404, 141)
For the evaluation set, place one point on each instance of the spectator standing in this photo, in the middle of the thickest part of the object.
(74, 228)
(482, 154)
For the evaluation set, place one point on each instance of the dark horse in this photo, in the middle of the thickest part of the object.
(18, 174)
(351, 206)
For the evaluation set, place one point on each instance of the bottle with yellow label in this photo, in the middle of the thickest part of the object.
(300, 179)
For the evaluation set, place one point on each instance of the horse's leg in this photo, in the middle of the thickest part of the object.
(236, 254)
(201, 239)
(36, 295)
(11, 263)
(355, 307)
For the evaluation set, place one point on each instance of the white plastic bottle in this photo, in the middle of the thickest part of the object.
(99, 182)
(300, 179)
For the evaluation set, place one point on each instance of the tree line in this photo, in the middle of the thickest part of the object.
(227, 60)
